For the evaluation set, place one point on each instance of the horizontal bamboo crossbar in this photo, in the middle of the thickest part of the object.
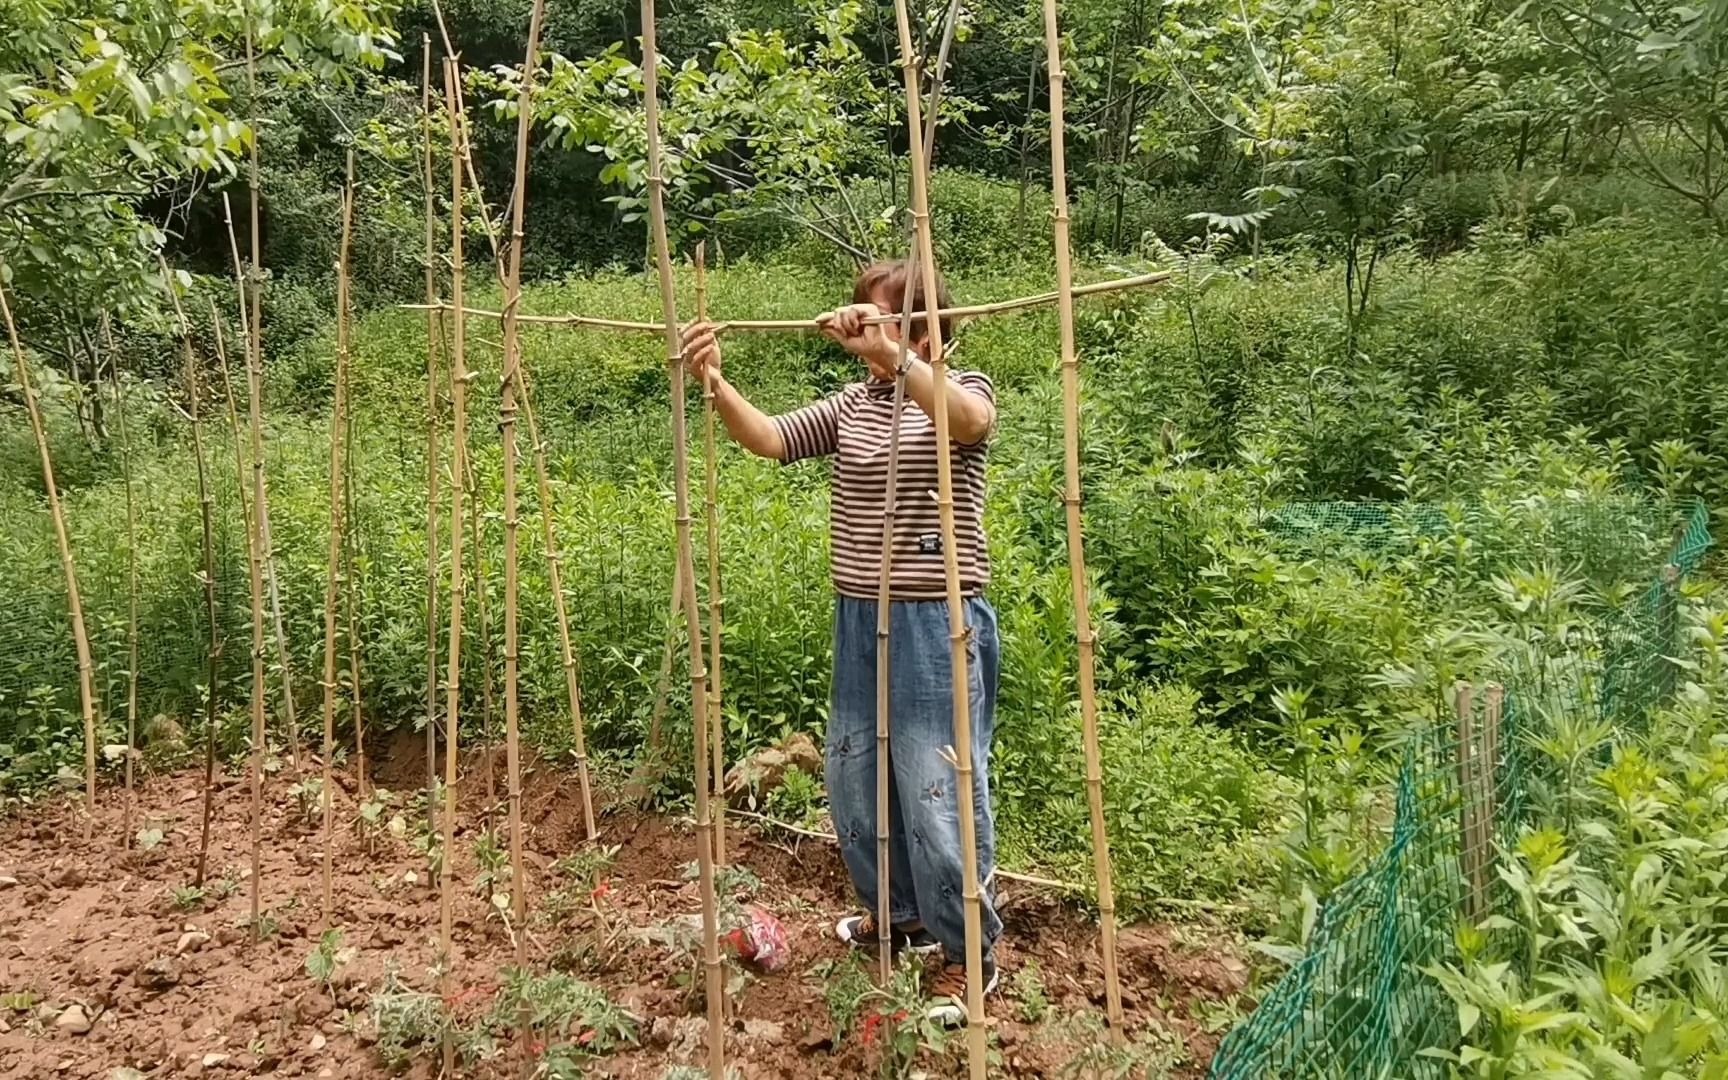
(973, 311)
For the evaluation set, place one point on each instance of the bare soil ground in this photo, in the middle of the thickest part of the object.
(107, 965)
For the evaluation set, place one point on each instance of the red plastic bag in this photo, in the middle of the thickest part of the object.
(762, 941)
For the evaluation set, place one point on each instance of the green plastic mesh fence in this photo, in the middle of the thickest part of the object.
(1357, 1004)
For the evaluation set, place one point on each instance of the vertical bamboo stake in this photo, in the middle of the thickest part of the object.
(716, 599)
(259, 546)
(686, 561)
(235, 434)
(247, 521)
(351, 540)
(1470, 807)
(255, 363)
(483, 604)
(433, 328)
(663, 690)
(458, 462)
(507, 439)
(555, 571)
(1083, 631)
(80, 639)
(213, 654)
(884, 625)
(338, 422)
(131, 576)
(957, 630)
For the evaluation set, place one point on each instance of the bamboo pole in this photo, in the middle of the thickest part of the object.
(74, 603)
(213, 654)
(246, 509)
(255, 363)
(1083, 631)
(812, 325)
(350, 541)
(884, 626)
(507, 438)
(434, 330)
(131, 578)
(555, 571)
(976, 1051)
(686, 561)
(260, 544)
(333, 563)
(663, 689)
(488, 663)
(458, 462)
(716, 598)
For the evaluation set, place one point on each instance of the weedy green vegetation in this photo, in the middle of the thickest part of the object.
(1608, 956)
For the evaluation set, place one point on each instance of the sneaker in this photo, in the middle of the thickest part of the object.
(948, 994)
(859, 931)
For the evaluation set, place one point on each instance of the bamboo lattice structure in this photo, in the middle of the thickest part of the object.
(1084, 634)
(976, 1050)
(686, 562)
(63, 539)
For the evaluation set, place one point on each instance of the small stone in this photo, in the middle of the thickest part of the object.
(191, 941)
(660, 1033)
(69, 878)
(319, 1042)
(213, 1060)
(230, 935)
(45, 1013)
(159, 974)
(5, 1028)
(7, 880)
(764, 1030)
(73, 1020)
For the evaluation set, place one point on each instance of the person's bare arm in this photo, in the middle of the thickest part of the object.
(749, 426)
(970, 415)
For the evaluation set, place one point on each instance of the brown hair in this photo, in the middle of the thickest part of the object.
(887, 280)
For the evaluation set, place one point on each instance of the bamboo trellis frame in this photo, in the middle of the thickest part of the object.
(815, 324)
(958, 632)
(1084, 635)
(686, 561)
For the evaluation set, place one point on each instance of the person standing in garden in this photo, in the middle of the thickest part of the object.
(853, 426)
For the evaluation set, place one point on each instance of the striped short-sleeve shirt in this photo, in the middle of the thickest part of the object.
(853, 426)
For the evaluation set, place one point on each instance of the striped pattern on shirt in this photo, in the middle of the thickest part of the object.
(853, 426)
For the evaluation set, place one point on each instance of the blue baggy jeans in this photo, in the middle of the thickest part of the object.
(926, 879)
